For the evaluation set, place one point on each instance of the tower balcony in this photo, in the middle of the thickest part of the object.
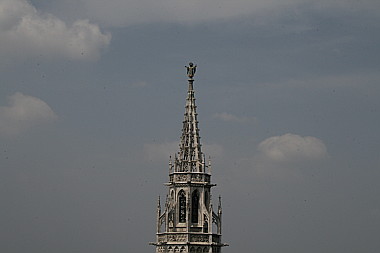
(192, 177)
(186, 238)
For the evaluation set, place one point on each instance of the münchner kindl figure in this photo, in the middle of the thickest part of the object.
(191, 70)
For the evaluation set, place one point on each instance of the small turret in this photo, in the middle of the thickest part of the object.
(220, 215)
(158, 213)
(220, 204)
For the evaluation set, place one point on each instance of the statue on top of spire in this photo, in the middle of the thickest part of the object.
(191, 70)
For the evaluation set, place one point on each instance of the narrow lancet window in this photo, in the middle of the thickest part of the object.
(182, 207)
(206, 200)
(194, 207)
(205, 224)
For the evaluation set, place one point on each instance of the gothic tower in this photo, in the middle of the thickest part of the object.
(185, 223)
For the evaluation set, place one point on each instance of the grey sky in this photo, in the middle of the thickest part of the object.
(92, 97)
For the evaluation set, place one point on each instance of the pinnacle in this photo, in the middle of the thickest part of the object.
(190, 156)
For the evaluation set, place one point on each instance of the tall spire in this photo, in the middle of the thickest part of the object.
(186, 222)
(190, 156)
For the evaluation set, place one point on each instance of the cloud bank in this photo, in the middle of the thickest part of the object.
(123, 13)
(23, 112)
(26, 32)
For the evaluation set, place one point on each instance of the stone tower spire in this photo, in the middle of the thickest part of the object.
(186, 223)
(190, 157)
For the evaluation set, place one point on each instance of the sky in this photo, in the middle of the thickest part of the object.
(92, 97)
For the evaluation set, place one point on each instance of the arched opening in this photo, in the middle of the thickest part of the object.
(162, 226)
(194, 206)
(205, 224)
(182, 206)
(171, 219)
(214, 228)
(206, 200)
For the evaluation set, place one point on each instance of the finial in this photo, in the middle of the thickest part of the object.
(209, 165)
(191, 70)
(170, 164)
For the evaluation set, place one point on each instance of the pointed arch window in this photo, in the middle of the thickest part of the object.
(194, 206)
(206, 200)
(182, 206)
(205, 224)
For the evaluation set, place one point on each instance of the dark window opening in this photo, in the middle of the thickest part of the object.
(182, 207)
(206, 200)
(194, 207)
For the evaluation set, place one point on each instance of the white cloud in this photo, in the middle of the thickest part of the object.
(292, 148)
(231, 118)
(121, 12)
(127, 12)
(162, 151)
(286, 157)
(22, 113)
(26, 32)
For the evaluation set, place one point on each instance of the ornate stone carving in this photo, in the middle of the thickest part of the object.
(181, 177)
(161, 238)
(177, 238)
(199, 238)
(196, 178)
